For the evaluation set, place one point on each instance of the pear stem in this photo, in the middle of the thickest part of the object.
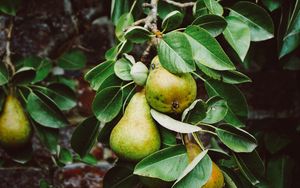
(7, 58)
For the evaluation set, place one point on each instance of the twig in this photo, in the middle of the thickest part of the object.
(181, 5)
(151, 19)
(139, 22)
(146, 52)
(7, 58)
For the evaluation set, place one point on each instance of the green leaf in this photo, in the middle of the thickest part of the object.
(124, 22)
(85, 136)
(275, 142)
(9, 6)
(253, 163)
(164, 8)
(236, 138)
(88, 159)
(120, 177)
(111, 81)
(69, 82)
(48, 137)
(230, 178)
(197, 173)
(43, 184)
(200, 9)
(237, 34)
(272, 4)
(112, 54)
(44, 111)
(172, 20)
(72, 60)
(168, 138)
(98, 74)
(166, 164)
(216, 110)
(108, 103)
(214, 24)
(137, 34)
(280, 170)
(257, 18)
(214, 7)
(290, 29)
(175, 53)
(118, 8)
(42, 66)
(230, 77)
(237, 105)
(24, 76)
(122, 69)
(172, 124)
(3, 74)
(65, 156)
(207, 50)
(195, 112)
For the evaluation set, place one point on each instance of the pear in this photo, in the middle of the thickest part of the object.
(167, 92)
(135, 136)
(15, 129)
(216, 179)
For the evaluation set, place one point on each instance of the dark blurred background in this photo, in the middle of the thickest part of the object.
(50, 28)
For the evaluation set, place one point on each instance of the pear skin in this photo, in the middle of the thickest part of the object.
(216, 179)
(15, 129)
(167, 92)
(135, 136)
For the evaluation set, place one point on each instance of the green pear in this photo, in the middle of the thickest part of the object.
(15, 129)
(135, 136)
(167, 92)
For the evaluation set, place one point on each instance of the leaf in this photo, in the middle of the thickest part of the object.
(166, 164)
(72, 60)
(44, 111)
(3, 74)
(207, 50)
(24, 76)
(272, 4)
(214, 24)
(118, 8)
(230, 77)
(9, 6)
(168, 138)
(123, 23)
(237, 105)
(280, 170)
(290, 38)
(216, 110)
(230, 178)
(175, 53)
(195, 112)
(246, 171)
(111, 81)
(197, 173)
(85, 136)
(122, 69)
(65, 156)
(112, 54)
(98, 74)
(137, 34)
(237, 34)
(88, 159)
(258, 20)
(108, 103)
(43, 184)
(120, 177)
(172, 124)
(200, 9)
(214, 7)
(274, 142)
(42, 66)
(236, 139)
(172, 20)
(48, 137)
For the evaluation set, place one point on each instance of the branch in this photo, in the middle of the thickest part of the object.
(151, 19)
(181, 5)
(7, 58)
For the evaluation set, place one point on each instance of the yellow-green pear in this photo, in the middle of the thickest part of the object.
(135, 136)
(216, 179)
(15, 129)
(167, 92)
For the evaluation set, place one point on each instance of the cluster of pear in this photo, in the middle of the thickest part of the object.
(15, 129)
(136, 135)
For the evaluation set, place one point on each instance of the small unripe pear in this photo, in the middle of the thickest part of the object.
(139, 73)
(15, 129)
